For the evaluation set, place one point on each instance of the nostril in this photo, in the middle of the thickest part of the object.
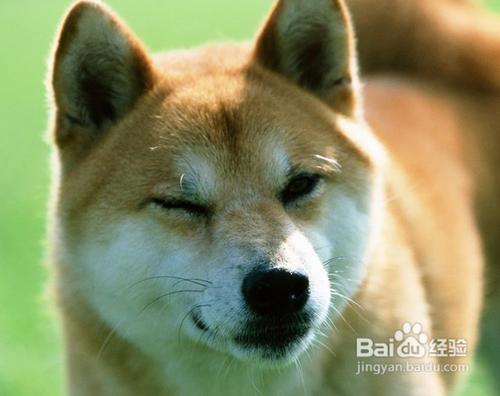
(275, 291)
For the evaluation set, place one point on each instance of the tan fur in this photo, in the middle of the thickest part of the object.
(462, 38)
(420, 170)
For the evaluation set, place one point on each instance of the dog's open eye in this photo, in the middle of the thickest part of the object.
(186, 206)
(299, 186)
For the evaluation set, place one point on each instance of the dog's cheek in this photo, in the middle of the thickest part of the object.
(349, 225)
(340, 238)
(115, 263)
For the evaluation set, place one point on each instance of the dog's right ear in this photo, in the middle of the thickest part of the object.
(99, 70)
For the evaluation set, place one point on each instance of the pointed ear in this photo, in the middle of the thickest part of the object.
(311, 42)
(99, 70)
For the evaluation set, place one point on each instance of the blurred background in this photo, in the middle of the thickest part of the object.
(30, 352)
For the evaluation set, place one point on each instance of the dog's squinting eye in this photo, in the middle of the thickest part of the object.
(299, 186)
(186, 206)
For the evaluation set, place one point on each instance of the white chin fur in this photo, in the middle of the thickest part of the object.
(269, 359)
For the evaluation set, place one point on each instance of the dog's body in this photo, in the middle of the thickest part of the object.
(180, 176)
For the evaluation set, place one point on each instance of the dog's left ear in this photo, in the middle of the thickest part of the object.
(311, 42)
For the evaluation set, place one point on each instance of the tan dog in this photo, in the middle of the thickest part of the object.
(226, 222)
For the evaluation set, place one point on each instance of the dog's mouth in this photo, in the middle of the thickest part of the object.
(272, 340)
(198, 322)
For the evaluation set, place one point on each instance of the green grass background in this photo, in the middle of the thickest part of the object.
(30, 353)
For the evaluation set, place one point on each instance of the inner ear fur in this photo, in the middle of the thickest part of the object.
(99, 70)
(311, 43)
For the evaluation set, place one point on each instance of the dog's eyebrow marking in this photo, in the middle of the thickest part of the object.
(197, 176)
(282, 167)
(185, 193)
(278, 163)
(329, 165)
(181, 180)
(187, 188)
(317, 164)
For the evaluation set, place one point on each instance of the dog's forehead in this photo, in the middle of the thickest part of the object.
(203, 170)
(243, 137)
(216, 138)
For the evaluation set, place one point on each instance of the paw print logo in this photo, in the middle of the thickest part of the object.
(412, 341)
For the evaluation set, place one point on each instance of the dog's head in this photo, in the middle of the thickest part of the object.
(221, 196)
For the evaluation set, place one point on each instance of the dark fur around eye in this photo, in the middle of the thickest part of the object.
(187, 206)
(299, 186)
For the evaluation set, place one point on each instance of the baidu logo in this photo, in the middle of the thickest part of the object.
(410, 342)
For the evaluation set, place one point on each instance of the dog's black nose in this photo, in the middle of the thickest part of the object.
(275, 292)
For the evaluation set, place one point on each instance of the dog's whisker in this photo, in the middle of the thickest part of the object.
(300, 371)
(344, 319)
(107, 340)
(325, 346)
(196, 281)
(357, 308)
(222, 366)
(332, 259)
(348, 299)
(168, 295)
(196, 306)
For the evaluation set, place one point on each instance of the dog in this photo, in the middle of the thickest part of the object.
(249, 219)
